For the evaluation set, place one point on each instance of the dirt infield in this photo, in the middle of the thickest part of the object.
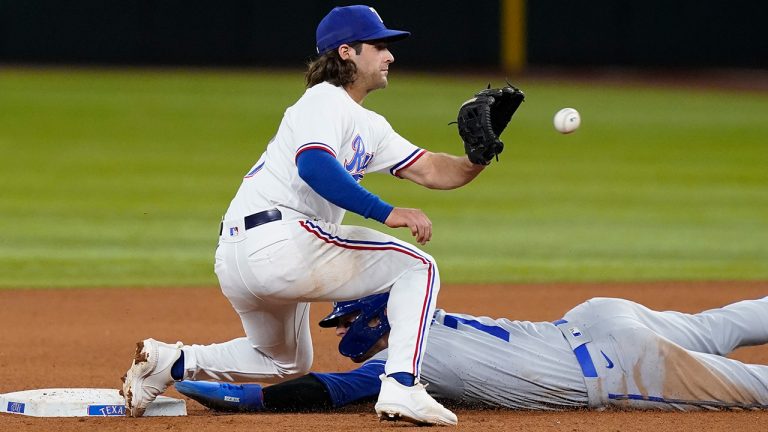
(85, 338)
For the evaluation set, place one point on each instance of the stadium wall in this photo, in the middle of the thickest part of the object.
(510, 34)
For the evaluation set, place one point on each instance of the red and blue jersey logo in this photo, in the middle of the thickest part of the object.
(360, 159)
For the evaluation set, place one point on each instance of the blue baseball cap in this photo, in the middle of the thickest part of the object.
(348, 24)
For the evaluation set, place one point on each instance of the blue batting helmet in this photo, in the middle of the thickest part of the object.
(360, 337)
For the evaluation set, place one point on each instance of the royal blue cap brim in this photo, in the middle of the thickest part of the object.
(387, 35)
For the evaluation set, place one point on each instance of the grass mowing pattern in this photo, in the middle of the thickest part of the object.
(115, 178)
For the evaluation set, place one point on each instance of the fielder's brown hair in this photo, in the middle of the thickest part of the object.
(332, 68)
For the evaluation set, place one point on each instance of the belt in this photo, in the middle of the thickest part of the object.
(578, 338)
(571, 334)
(260, 218)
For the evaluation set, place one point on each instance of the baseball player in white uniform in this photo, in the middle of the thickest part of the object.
(604, 352)
(281, 244)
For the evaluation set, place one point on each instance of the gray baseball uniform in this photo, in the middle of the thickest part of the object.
(605, 352)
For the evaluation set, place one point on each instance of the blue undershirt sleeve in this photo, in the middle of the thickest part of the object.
(325, 175)
(348, 387)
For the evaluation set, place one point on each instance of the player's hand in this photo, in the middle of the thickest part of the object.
(415, 219)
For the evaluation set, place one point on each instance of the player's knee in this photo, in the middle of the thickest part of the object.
(425, 262)
(427, 266)
(431, 265)
(429, 258)
(296, 362)
(300, 366)
(304, 365)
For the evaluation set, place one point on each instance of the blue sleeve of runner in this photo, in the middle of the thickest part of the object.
(348, 387)
(325, 175)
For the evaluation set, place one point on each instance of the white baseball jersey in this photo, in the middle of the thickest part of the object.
(270, 272)
(325, 118)
(632, 357)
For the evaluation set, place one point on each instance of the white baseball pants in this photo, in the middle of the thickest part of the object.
(272, 272)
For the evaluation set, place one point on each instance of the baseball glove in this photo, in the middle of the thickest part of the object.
(482, 119)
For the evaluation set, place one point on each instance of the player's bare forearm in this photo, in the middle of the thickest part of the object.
(414, 219)
(442, 171)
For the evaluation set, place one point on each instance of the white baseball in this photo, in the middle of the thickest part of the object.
(567, 120)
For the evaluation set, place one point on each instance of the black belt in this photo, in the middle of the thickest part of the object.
(260, 218)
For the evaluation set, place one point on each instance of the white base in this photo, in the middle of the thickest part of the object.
(81, 402)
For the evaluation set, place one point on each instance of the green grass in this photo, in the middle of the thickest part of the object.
(115, 178)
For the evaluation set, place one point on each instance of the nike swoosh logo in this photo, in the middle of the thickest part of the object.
(610, 363)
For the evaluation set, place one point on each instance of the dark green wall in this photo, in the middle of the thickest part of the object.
(231, 32)
(668, 33)
(447, 33)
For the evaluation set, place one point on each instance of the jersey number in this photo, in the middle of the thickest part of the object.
(453, 321)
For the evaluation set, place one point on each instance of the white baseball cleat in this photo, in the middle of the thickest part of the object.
(411, 404)
(149, 375)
